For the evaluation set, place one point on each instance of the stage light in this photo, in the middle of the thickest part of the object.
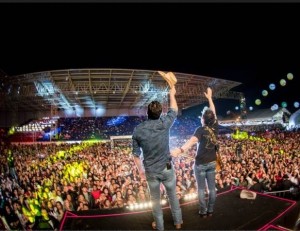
(190, 196)
(145, 205)
(163, 202)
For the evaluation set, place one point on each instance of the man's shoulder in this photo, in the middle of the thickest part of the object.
(141, 125)
(199, 129)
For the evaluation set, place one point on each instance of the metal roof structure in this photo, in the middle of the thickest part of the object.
(109, 88)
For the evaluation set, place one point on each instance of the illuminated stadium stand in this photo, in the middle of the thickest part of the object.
(258, 117)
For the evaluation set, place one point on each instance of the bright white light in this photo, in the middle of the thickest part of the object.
(163, 202)
(99, 111)
(139, 206)
(69, 112)
(190, 196)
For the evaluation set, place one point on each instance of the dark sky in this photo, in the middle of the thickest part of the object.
(255, 44)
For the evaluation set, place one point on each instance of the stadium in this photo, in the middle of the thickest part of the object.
(76, 82)
(68, 135)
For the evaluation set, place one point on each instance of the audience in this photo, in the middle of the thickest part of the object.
(52, 178)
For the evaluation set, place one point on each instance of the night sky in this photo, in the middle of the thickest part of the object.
(255, 44)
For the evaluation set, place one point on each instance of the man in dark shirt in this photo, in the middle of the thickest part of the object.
(238, 150)
(205, 160)
(150, 142)
(11, 165)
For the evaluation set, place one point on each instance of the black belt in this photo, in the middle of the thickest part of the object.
(169, 165)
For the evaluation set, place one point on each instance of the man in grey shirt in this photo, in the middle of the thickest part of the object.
(150, 143)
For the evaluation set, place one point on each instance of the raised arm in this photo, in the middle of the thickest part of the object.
(208, 95)
(189, 143)
(173, 101)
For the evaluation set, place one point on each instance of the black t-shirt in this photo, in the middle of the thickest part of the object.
(206, 148)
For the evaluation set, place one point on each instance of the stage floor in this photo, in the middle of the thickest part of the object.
(231, 213)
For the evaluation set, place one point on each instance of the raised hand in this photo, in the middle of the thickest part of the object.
(208, 93)
(175, 152)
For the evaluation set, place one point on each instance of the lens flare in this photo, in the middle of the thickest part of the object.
(257, 101)
(290, 76)
(282, 82)
(272, 86)
(283, 104)
(264, 92)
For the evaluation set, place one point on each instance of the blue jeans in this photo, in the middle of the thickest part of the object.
(205, 173)
(168, 178)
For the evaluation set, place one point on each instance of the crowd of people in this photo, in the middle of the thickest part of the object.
(41, 181)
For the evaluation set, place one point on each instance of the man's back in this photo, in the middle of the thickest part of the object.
(152, 136)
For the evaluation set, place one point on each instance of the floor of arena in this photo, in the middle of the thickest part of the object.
(263, 213)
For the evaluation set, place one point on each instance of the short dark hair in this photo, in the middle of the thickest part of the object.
(154, 110)
(209, 117)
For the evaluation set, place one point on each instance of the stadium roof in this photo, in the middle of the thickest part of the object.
(108, 88)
